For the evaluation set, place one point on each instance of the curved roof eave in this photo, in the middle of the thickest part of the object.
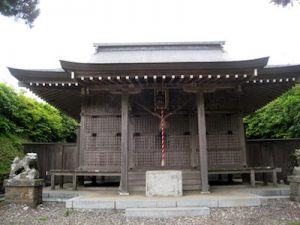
(279, 69)
(218, 65)
(41, 74)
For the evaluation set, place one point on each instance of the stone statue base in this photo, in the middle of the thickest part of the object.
(24, 191)
(294, 181)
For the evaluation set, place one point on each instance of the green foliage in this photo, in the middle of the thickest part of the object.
(67, 212)
(295, 223)
(22, 118)
(43, 218)
(10, 148)
(27, 118)
(21, 9)
(278, 119)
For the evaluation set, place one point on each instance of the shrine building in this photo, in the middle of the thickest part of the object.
(154, 106)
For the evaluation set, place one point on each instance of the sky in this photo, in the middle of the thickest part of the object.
(66, 29)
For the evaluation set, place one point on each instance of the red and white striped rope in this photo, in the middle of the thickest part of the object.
(162, 137)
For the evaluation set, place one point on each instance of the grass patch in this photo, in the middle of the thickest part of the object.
(67, 212)
(43, 218)
(10, 147)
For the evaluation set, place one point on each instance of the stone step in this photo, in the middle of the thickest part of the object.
(166, 212)
(82, 203)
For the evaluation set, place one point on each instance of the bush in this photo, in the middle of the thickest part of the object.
(278, 119)
(36, 121)
(10, 148)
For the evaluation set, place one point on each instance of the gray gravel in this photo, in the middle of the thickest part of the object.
(276, 212)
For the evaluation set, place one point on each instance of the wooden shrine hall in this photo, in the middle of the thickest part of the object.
(161, 106)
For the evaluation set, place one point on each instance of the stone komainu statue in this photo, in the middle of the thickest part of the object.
(27, 168)
(296, 170)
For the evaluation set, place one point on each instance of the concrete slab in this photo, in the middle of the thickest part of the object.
(91, 204)
(285, 192)
(198, 203)
(69, 204)
(62, 195)
(231, 196)
(272, 192)
(124, 204)
(167, 212)
(239, 202)
(269, 192)
(166, 203)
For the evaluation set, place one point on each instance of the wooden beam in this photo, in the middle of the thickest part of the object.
(202, 143)
(124, 145)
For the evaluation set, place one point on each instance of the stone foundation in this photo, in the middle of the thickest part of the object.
(163, 183)
(24, 191)
(294, 187)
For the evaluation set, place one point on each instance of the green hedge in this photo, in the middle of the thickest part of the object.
(36, 121)
(278, 119)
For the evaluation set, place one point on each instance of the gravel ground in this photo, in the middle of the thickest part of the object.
(276, 212)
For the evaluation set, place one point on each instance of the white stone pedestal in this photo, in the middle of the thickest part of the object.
(163, 183)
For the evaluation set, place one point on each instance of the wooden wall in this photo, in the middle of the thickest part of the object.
(101, 132)
(259, 153)
(272, 152)
(53, 156)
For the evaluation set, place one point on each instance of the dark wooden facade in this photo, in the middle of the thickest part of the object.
(101, 134)
(120, 124)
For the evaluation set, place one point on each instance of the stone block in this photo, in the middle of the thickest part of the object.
(285, 192)
(294, 188)
(92, 204)
(69, 204)
(62, 195)
(163, 183)
(124, 204)
(295, 198)
(294, 179)
(197, 203)
(24, 191)
(166, 204)
(46, 195)
(269, 192)
(239, 202)
(166, 212)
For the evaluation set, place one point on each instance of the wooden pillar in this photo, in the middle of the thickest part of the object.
(82, 141)
(124, 145)
(52, 182)
(252, 178)
(193, 140)
(202, 142)
(77, 148)
(242, 140)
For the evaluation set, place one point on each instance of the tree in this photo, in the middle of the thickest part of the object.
(21, 9)
(32, 120)
(278, 119)
(284, 2)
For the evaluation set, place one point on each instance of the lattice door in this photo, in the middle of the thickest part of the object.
(147, 142)
(223, 140)
(102, 143)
